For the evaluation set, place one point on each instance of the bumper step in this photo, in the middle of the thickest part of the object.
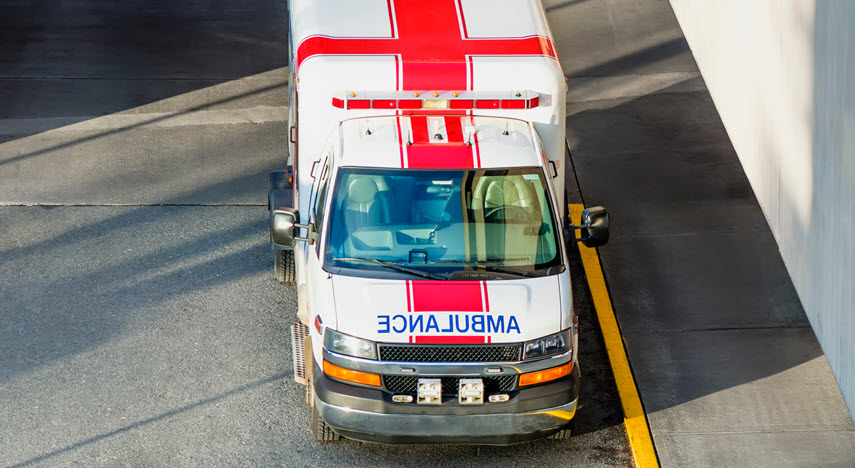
(299, 332)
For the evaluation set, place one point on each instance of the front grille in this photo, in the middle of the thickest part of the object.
(445, 353)
(450, 385)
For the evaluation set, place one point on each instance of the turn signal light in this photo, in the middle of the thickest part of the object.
(545, 375)
(341, 373)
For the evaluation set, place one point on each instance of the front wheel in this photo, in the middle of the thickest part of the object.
(566, 432)
(320, 430)
(283, 266)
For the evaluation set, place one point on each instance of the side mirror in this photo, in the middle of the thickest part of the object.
(595, 226)
(283, 221)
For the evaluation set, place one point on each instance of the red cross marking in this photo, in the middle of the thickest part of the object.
(448, 296)
(432, 42)
(451, 154)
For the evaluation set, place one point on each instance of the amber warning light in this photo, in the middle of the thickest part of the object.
(438, 101)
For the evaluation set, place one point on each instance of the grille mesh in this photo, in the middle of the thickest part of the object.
(450, 385)
(444, 353)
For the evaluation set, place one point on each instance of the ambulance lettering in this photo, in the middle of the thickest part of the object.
(448, 323)
(447, 307)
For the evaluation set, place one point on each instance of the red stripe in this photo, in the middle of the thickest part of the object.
(454, 129)
(401, 147)
(409, 303)
(447, 157)
(397, 76)
(451, 154)
(462, 18)
(471, 74)
(477, 148)
(447, 296)
(419, 126)
(391, 17)
(486, 298)
(449, 339)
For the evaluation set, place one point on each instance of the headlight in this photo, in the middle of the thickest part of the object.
(559, 343)
(349, 345)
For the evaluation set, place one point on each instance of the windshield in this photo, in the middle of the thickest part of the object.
(442, 220)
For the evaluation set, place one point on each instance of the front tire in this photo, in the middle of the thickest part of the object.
(283, 266)
(566, 432)
(320, 430)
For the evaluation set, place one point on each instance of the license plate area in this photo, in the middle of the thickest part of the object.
(429, 392)
(470, 392)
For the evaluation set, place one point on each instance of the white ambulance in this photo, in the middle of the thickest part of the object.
(422, 221)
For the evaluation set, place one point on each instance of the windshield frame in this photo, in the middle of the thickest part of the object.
(555, 266)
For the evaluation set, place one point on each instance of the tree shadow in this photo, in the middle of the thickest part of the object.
(84, 58)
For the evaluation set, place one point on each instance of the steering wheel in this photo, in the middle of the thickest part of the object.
(509, 213)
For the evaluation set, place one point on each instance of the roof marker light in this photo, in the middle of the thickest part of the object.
(454, 94)
(513, 104)
(416, 94)
(486, 103)
(383, 104)
(435, 94)
(358, 104)
(409, 104)
(461, 104)
(352, 94)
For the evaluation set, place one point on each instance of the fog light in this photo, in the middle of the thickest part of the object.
(430, 392)
(402, 398)
(499, 398)
(471, 392)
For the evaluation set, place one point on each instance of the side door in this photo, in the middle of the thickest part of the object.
(319, 284)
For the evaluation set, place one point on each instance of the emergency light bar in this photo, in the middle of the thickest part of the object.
(465, 100)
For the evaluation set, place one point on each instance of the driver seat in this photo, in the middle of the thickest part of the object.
(497, 191)
(366, 204)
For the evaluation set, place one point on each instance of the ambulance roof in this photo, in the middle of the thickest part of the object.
(429, 44)
(437, 142)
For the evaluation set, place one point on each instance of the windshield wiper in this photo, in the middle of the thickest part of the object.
(489, 265)
(392, 265)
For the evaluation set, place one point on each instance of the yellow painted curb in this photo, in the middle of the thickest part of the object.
(634, 418)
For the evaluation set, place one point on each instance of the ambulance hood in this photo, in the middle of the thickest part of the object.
(422, 311)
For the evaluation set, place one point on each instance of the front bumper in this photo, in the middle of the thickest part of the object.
(370, 415)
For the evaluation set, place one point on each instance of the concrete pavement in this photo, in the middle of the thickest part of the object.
(728, 369)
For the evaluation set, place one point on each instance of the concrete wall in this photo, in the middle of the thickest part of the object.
(782, 75)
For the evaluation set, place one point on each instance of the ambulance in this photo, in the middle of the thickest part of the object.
(421, 218)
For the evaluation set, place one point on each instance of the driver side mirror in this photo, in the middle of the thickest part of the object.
(595, 226)
(283, 223)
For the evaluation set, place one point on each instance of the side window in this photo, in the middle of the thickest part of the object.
(320, 198)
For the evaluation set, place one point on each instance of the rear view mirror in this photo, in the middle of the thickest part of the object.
(282, 224)
(283, 228)
(595, 226)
